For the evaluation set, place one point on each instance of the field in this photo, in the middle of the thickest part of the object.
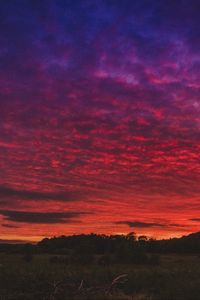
(175, 278)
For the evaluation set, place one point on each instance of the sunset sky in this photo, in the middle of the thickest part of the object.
(99, 117)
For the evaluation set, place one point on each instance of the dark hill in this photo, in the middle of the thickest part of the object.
(186, 244)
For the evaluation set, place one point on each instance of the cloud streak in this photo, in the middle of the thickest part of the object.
(138, 224)
(41, 217)
(8, 192)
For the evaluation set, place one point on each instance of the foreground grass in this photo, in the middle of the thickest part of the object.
(177, 277)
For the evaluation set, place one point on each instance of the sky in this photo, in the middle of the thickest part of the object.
(99, 118)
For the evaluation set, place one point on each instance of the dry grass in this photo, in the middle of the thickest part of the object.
(177, 278)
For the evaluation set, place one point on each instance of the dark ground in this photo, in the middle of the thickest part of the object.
(177, 277)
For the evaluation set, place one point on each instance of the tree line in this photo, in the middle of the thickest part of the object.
(106, 249)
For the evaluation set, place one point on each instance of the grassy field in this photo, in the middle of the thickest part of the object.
(177, 277)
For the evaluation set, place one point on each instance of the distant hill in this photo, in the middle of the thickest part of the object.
(195, 235)
(186, 244)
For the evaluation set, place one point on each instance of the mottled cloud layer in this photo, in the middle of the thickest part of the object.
(99, 113)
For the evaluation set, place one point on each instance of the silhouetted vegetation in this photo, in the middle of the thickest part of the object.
(125, 248)
(113, 248)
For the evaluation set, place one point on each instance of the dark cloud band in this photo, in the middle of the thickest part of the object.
(41, 217)
(9, 192)
(138, 224)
